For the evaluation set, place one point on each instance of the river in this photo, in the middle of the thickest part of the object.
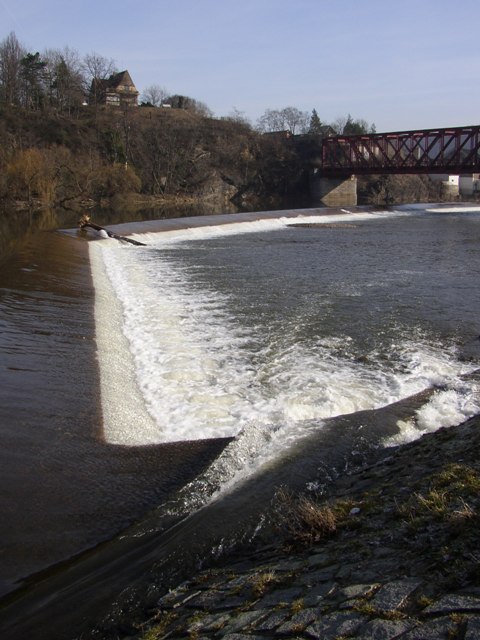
(164, 391)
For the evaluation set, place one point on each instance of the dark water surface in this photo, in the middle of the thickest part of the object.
(63, 488)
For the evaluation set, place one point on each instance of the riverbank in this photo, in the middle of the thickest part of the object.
(401, 561)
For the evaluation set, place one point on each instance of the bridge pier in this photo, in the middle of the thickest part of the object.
(334, 192)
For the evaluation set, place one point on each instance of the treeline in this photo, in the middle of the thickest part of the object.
(60, 147)
(55, 159)
(57, 79)
(64, 81)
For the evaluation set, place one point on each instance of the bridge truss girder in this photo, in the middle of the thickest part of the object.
(455, 150)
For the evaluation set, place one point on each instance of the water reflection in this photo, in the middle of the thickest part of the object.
(17, 227)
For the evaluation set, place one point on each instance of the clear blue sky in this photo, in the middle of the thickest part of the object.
(401, 64)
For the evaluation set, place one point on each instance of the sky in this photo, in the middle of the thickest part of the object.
(403, 64)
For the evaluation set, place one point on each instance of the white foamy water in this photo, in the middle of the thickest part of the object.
(254, 226)
(446, 408)
(176, 365)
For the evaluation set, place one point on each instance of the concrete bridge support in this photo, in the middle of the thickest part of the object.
(334, 192)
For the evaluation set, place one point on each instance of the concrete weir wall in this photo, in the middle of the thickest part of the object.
(334, 192)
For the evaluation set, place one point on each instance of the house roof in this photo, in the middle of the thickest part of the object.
(114, 82)
(117, 79)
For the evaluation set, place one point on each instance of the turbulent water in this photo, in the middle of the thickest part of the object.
(262, 329)
(259, 330)
(275, 326)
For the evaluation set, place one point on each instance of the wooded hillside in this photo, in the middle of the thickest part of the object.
(55, 159)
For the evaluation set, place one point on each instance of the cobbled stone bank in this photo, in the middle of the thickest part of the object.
(406, 565)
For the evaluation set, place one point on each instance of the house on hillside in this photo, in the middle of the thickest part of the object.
(117, 91)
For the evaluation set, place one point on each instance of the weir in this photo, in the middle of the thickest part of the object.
(195, 369)
(280, 313)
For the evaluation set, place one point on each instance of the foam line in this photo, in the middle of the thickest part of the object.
(125, 419)
(253, 226)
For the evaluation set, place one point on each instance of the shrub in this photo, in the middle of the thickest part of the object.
(33, 173)
(114, 179)
(303, 521)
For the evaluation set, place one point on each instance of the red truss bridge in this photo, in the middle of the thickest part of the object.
(453, 151)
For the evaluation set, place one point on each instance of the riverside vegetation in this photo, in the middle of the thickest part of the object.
(149, 155)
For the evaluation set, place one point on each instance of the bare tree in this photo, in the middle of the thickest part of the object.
(296, 120)
(338, 125)
(290, 118)
(202, 109)
(11, 54)
(346, 125)
(65, 77)
(155, 95)
(236, 115)
(97, 68)
(272, 120)
(189, 104)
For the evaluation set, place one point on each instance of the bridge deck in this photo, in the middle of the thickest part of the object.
(455, 150)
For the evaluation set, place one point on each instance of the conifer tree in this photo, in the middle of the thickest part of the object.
(315, 123)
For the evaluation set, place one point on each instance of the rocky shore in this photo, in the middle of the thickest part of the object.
(391, 552)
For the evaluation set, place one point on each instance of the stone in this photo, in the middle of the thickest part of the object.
(385, 552)
(273, 621)
(236, 583)
(441, 629)
(334, 625)
(473, 629)
(452, 603)
(175, 598)
(322, 560)
(279, 597)
(384, 629)
(298, 622)
(241, 636)
(351, 596)
(318, 593)
(212, 622)
(344, 572)
(288, 566)
(243, 620)
(322, 575)
(392, 595)
(215, 601)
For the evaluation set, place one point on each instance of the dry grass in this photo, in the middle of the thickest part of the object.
(303, 521)
(452, 496)
(261, 581)
(160, 625)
